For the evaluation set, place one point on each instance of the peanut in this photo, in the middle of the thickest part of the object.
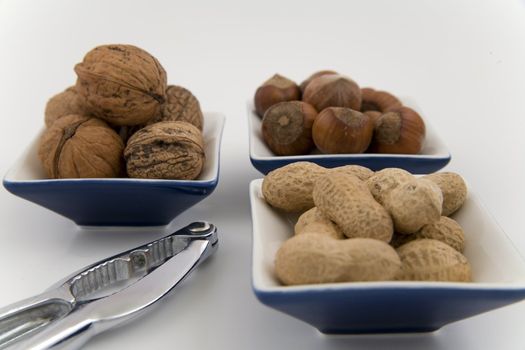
(384, 181)
(432, 260)
(314, 258)
(290, 188)
(445, 230)
(361, 172)
(453, 188)
(313, 221)
(346, 200)
(414, 204)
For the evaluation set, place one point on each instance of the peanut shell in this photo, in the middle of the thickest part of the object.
(445, 230)
(290, 187)
(414, 204)
(454, 190)
(382, 182)
(432, 260)
(315, 258)
(313, 221)
(345, 200)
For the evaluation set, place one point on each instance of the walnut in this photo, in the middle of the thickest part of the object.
(165, 150)
(181, 105)
(122, 84)
(78, 146)
(62, 104)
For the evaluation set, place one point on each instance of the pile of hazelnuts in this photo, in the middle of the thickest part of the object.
(330, 112)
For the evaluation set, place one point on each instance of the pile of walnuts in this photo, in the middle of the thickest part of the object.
(330, 112)
(122, 119)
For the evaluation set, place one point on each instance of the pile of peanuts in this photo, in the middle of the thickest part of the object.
(360, 225)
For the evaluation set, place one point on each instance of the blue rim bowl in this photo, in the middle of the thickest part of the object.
(117, 201)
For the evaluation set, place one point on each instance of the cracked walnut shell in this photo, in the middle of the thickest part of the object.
(65, 103)
(165, 150)
(77, 146)
(180, 105)
(122, 84)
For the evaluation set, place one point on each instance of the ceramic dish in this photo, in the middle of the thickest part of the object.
(119, 201)
(390, 307)
(433, 156)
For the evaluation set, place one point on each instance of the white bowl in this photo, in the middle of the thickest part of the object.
(393, 306)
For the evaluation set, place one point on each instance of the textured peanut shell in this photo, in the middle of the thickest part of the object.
(65, 103)
(454, 190)
(77, 146)
(122, 84)
(345, 200)
(314, 258)
(165, 150)
(180, 105)
(313, 221)
(414, 204)
(290, 187)
(361, 172)
(384, 181)
(432, 260)
(445, 230)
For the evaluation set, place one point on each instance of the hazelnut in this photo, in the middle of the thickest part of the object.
(77, 146)
(374, 115)
(274, 90)
(287, 128)
(313, 76)
(400, 130)
(121, 84)
(65, 103)
(342, 130)
(333, 90)
(165, 150)
(376, 100)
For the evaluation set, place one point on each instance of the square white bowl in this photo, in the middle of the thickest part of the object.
(433, 156)
(117, 201)
(391, 306)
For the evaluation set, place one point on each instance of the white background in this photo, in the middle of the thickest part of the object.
(462, 61)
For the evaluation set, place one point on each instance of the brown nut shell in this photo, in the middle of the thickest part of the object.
(454, 190)
(313, 76)
(180, 105)
(432, 260)
(445, 230)
(377, 100)
(342, 130)
(333, 90)
(65, 103)
(400, 130)
(165, 150)
(122, 84)
(274, 90)
(315, 258)
(78, 146)
(287, 128)
(414, 204)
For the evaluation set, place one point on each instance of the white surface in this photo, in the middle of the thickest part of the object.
(433, 146)
(462, 61)
(494, 259)
(28, 168)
